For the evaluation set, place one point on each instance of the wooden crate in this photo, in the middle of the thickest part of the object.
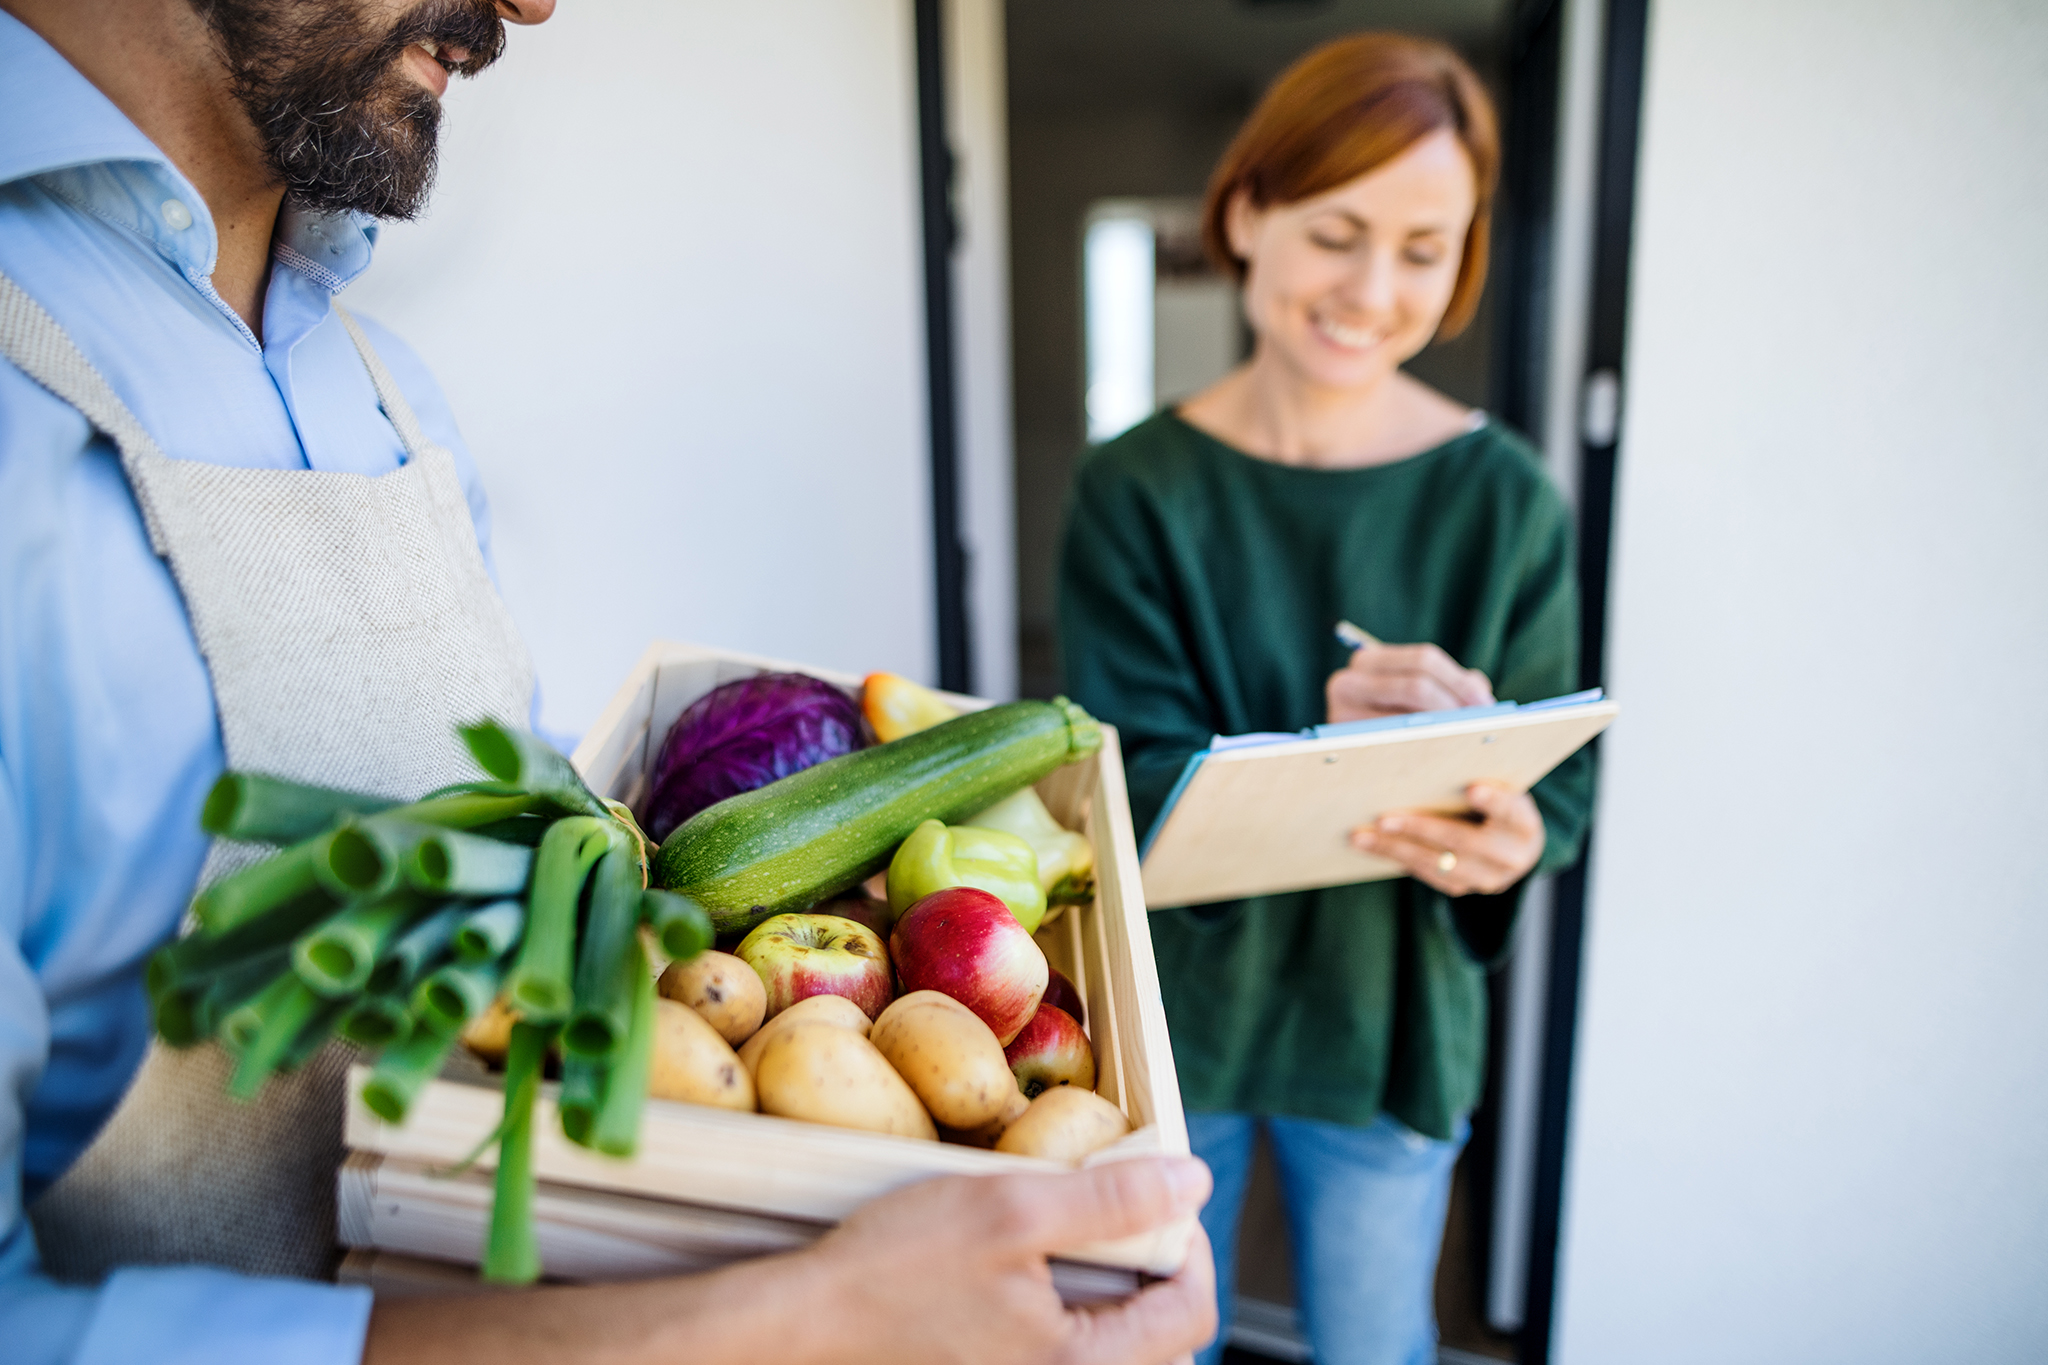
(756, 1163)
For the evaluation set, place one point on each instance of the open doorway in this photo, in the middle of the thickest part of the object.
(1116, 114)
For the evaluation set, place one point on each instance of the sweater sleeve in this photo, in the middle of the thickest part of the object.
(1123, 636)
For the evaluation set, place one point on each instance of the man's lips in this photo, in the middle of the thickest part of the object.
(427, 69)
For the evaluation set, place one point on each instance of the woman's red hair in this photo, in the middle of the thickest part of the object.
(1348, 107)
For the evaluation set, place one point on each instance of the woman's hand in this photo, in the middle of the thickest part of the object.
(1393, 680)
(1460, 857)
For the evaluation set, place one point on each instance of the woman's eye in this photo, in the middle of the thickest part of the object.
(1328, 243)
(1423, 256)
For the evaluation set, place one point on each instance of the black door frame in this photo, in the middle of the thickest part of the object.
(1614, 196)
(941, 234)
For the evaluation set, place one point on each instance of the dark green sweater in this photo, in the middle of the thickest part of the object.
(1198, 587)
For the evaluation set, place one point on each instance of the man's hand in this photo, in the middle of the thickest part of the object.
(941, 1273)
(1393, 680)
(1459, 857)
(954, 1270)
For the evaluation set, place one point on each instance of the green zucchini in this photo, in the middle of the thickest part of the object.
(813, 834)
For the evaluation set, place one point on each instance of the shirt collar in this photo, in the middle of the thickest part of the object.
(72, 140)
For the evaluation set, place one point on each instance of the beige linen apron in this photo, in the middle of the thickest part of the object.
(348, 625)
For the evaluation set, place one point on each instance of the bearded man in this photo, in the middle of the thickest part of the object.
(239, 525)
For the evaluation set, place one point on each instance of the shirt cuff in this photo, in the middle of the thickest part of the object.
(196, 1315)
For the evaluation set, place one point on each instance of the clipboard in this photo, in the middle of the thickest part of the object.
(1254, 815)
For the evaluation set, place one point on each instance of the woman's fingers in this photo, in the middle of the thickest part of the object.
(1388, 680)
(1485, 857)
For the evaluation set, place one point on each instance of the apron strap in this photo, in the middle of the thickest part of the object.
(389, 396)
(36, 342)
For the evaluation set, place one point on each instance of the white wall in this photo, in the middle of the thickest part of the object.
(978, 123)
(670, 280)
(1811, 1118)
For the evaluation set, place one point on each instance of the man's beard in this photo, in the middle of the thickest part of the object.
(343, 126)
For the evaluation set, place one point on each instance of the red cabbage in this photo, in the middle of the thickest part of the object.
(744, 735)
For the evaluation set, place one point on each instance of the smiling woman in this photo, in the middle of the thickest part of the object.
(1209, 552)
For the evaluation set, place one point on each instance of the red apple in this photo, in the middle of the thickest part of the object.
(965, 943)
(1062, 992)
(797, 956)
(1051, 1051)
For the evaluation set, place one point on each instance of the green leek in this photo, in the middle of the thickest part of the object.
(531, 764)
(376, 1021)
(282, 1014)
(417, 951)
(451, 863)
(616, 1130)
(257, 809)
(404, 1069)
(241, 897)
(540, 984)
(489, 933)
(607, 960)
(680, 925)
(512, 1251)
(457, 993)
(337, 958)
(582, 1091)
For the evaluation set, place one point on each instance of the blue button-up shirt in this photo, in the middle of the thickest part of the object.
(108, 734)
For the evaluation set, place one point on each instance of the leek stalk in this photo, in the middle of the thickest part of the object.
(582, 1091)
(616, 1130)
(240, 1026)
(417, 951)
(196, 958)
(314, 1035)
(512, 1251)
(337, 958)
(531, 764)
(489, 933)
(282, 1014)
(404, 1070)
(233, 986)
(241, 897)
(457, 993)
(269, 810)
(451, 863)
(680, 925)
(540, 985)
(608, 960)
(376, 1021)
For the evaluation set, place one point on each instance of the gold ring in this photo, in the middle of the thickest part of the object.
(1446, 861)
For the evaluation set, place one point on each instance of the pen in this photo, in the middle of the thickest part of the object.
(1355, 637)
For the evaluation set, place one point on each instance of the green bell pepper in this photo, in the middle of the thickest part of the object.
(937, 856)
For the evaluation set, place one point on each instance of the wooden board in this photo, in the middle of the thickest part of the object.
(416, 1213)
(755, 1163)
(1277, 817)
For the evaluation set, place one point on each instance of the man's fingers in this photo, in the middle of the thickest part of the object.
(1048, 1213)
(1163, 1323)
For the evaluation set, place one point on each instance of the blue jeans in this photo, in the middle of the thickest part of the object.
(1365, 1216)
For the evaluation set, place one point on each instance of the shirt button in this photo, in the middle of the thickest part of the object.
(176, 214)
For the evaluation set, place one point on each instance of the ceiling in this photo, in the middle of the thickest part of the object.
(1087, 55)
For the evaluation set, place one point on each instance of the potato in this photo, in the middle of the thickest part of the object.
(1066, 1123)
(725, 990)
(823, 1073)
(693, 1064)
(949, 1056)
(489, 1035)
(990, 1133)
(836, 1010)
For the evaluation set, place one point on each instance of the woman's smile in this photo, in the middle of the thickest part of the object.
(1357, 337)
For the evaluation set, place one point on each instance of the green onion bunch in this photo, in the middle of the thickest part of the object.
(395, 926)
